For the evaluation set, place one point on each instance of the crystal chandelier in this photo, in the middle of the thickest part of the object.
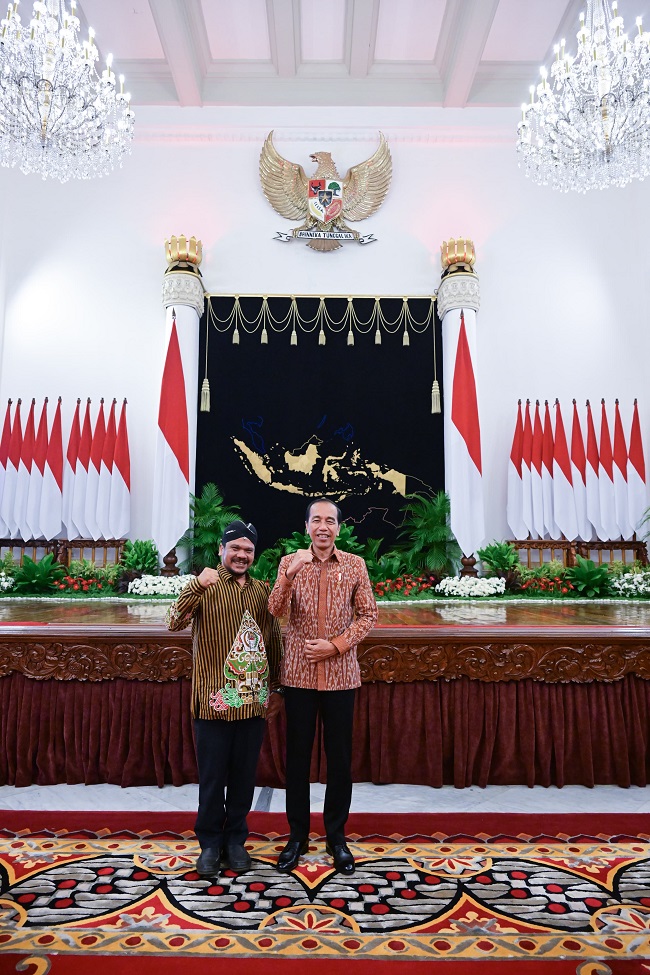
(588, 125)
(58, 117)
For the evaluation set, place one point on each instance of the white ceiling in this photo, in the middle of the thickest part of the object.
(451, 53)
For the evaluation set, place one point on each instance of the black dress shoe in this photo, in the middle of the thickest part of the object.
(343, 859)
(290, 856)
(208, 863)
(237, 858)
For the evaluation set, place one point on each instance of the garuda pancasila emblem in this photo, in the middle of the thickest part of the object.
(325, 200)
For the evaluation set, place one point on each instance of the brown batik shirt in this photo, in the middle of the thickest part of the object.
(236, 645)
(331, 600)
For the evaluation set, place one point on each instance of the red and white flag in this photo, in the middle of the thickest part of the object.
(106, 475)
(120, 508)
(7, 511)
(52, 493)
(536, 474)
(92, 484)
(464, 473)
(527, 462)
(69, 472)
(620, 476)
(171, 495)
(637, 488)
(593, 478)
(563, 501)
(24, 475)
(547, 475)
(81, 478)
(38, 472)
(606, 479)
(579, 477)
(515, 500)
(4, 453)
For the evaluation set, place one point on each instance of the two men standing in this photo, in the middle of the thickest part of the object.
(326, 596)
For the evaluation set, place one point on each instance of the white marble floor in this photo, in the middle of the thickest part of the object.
(366, 797)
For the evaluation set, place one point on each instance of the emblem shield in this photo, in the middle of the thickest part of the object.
(325, 199)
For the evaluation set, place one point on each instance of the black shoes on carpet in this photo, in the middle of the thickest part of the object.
(234, 857)
(343, 859)
(290, 856)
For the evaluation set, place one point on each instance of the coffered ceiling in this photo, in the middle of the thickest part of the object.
(451, 53)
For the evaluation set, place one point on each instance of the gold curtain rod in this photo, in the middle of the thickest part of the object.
(256, 294)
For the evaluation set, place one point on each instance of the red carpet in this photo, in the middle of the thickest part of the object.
(117, 894)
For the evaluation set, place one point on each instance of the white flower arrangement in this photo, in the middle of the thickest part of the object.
(471, 586)
(631, 584)
(6, 581)
(158, 585)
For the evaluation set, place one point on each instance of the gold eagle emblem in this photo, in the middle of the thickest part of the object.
(325, 200)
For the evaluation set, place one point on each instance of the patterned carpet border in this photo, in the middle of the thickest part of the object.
(426, 898)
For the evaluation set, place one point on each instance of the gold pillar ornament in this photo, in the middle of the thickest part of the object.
(457, 255)
(183, 254)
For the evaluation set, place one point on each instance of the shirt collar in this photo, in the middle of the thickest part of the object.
(228, 576)
(336, 554)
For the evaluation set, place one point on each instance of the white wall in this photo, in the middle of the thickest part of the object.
(564, 278)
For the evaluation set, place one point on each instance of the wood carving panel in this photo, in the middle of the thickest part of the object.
(96, 662)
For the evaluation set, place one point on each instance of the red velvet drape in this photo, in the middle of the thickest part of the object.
(460, 732)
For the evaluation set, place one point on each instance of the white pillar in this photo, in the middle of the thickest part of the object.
(459, 292)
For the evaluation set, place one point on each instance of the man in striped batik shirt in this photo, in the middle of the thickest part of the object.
(237, 648)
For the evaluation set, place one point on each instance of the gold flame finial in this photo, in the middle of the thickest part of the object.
(183, 254)
(457, 254)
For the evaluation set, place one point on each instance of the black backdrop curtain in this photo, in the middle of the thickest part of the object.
(289, 422)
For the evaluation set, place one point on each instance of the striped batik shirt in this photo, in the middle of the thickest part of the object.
(236, 644)
(329, 600)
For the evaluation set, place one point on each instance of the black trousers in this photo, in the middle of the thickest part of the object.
(227, 754)
(336, 709)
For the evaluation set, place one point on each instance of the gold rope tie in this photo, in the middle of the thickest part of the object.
(264, 340)
(321, 336)
(435, 397)
(377, 336)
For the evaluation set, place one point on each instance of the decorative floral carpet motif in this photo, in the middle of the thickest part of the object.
(419, 898)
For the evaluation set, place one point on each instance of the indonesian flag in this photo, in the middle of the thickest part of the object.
(120, 507)
(592, 478)
(52, 493)
(563, 501)
(606, 480)
(106, 475)
(11, 475)
(579, 477)
(515, 511)
(464, 473)
(171, 494)
(620, 476)
(4, 453)
(38, 472)
(81, 478)
(24, 475)
(536, 474)
(527, 460)
(92, 485)
(637, 489)
(69, 472)
(547, 475)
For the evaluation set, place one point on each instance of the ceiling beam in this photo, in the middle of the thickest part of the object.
(363, 35)
(465, 30)
(284, 35)
(173, 20)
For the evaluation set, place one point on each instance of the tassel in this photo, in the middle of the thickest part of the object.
(405, 338)
(350, 337)
(294, 338)
(435, 397)
(377, 336)
(235, 337)
(205, 396)
(321, 337)
(264, 340)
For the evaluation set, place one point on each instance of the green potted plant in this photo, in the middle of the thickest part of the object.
(209, 517)
(501, 559)
(428, 543)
